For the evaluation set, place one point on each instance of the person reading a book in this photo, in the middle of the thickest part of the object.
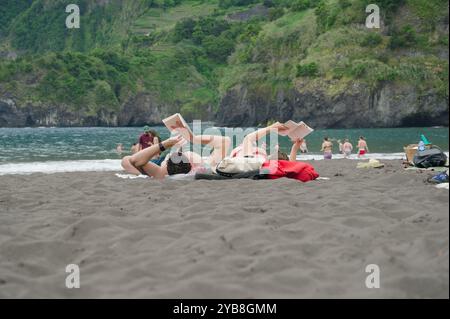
(292, 157)
(248, 147)
(175, 163)
(278, 154)
(185, 162)
(296, 146)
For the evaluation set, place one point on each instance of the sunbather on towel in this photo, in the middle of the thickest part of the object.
(276, 166)
(183, 163)
(279, 155)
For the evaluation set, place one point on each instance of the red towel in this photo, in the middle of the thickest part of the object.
(297, 170)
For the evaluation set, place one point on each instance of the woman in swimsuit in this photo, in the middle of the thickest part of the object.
(362, 146)
(327, 148)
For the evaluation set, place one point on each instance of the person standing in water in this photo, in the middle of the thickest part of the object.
(341, 150)
(146, 139)
(363, 149)
(119, 148)
(156, 140)
(303, 146)
(347, 148)
(134, 148)
(327, 148)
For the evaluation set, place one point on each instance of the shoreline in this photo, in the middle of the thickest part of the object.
(113, 165)
(144, 238)
(212, 123)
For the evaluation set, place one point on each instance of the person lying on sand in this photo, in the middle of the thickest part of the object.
(185, 162)
(292, 157)
(289, 167)
(279, 155)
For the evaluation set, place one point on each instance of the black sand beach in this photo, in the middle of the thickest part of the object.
(225, 239)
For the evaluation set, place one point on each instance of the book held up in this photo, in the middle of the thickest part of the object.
(176, 124)
(296, 130)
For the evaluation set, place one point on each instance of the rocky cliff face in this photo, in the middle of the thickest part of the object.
(388, 106)
(139, 110)
(142, 109)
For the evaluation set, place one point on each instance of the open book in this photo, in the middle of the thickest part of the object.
(297, 130)
(177, 124)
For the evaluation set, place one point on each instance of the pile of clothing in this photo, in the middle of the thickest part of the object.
(441, 180)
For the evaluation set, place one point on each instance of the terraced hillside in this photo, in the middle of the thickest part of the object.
(239, 62)
(158, 19)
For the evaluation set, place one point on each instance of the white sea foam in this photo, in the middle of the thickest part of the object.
(61, 167)
(379, 156)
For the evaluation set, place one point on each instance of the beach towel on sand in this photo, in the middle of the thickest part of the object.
(272, 169)
(297, 170)
(255, 174)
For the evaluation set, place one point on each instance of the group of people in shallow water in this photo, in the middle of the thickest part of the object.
(345, 147)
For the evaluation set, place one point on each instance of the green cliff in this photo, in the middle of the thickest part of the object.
(237, 62)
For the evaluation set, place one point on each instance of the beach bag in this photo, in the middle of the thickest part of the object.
(433, 157)
(231, 166)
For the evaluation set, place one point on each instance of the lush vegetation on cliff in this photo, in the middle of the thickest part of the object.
(187, 54)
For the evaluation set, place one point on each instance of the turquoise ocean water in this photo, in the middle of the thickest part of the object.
(72, 149)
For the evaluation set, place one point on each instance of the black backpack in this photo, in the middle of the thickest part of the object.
(433, 157)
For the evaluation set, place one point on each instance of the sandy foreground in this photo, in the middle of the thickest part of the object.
(225, 239)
